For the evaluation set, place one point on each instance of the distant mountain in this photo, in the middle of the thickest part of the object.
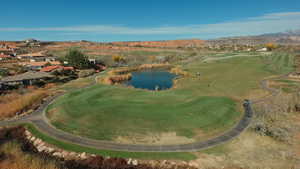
(294, 32)
(284, 38)
(163, 44)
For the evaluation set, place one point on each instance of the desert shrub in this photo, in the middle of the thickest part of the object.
(276, 131)
(270, 117)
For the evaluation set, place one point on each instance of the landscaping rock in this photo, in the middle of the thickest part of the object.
(49, 150)
(72, 155)
(65, 154)
(32, 139)
(27, 133)
(83, 156)
(37, 142)
(129, 161)
(41, 148)
(57, 154)
(135, 162)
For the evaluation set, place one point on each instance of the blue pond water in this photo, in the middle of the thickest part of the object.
(152, 80)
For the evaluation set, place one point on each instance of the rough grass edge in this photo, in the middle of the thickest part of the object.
(107, 153)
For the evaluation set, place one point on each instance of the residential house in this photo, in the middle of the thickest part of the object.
(25, 79)
(92, 61)
(56, 67)
(5, 51)
(43, 59)
(32, 55)
(32, 42)
(262, 50)
(8, 49)
(38, 65)
(4, 57)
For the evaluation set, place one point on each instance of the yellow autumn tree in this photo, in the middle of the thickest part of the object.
(118, 58)
(271, 46)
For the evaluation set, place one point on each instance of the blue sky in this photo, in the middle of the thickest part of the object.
(130, 20)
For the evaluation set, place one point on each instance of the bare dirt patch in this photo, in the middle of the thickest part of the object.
(155, 139)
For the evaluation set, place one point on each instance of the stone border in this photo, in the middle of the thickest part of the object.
(69, 159)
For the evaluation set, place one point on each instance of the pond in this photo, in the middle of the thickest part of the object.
(151, 80)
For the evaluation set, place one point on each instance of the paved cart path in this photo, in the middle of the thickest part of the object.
(39, 120)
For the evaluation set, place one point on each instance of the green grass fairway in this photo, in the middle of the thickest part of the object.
(280, 63)
(196, 108)
(105, 112)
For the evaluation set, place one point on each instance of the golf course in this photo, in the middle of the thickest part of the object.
(196, 108)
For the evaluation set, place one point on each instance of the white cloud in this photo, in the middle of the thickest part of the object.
(273, 22)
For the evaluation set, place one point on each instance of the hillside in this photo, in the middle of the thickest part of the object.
(163, 44)
(284, 38)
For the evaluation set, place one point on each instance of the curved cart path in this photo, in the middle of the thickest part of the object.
(39, 119)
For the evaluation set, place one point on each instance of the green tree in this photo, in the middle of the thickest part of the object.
(77, 59)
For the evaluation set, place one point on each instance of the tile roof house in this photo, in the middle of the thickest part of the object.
(26, 78)
(38, 65)
(7, 49)
(42, 59)
(32, 55)
(56, 67)
(4, 57)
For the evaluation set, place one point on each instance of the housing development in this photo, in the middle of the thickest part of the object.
(122, 100)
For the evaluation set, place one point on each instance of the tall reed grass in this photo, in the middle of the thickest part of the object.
(13, 103)
(123, 74)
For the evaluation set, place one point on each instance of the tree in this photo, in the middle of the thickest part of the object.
(118, 59)
(271, 46)
(77, 59)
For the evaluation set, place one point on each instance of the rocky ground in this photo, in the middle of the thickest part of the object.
(72, 160)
